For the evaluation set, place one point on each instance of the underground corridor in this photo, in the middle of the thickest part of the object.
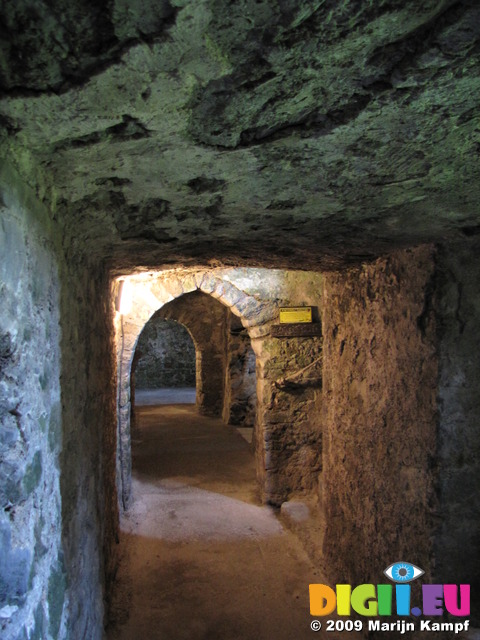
(306, 444)
(201, 555)
(239, 318)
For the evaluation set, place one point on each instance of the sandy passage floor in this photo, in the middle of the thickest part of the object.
(202, 559)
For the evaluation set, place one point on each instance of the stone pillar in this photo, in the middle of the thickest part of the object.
(210, 379)
(128, 331)
(288, 431)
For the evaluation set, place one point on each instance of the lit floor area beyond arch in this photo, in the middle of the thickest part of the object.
(202, 558)
(166, 395)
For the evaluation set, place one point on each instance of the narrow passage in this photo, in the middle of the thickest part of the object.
(201, 557)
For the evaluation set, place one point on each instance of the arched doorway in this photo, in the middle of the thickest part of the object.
(284, 437)
(163, 367)
(194, 346)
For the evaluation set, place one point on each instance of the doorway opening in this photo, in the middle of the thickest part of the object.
(163, 367)
(195, 350)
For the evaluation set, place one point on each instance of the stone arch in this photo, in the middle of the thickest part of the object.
(162, 341)
(149, 293)
(165, 354)
(205, 318)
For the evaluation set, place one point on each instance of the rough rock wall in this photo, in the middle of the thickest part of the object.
(380, 376)
(240, 379)
(166, 356)
(292, 132)
(457, 541)
(32, 570)
(57, 437)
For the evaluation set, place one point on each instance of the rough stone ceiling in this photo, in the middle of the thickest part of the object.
(288, 132)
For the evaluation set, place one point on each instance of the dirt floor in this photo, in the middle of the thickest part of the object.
(201, 557)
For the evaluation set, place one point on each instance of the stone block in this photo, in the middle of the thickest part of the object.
(9, 433)
(13, 257)
(33, 473)
(209, 283)
(295, 511)
(55, 428)
(246, 308)
(11, 486)
(56, 599)
(189, 283)
(261, 314)
(231, 295)
(40, 627)
(15, 567)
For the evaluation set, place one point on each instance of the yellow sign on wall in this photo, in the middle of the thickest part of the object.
(295, 314)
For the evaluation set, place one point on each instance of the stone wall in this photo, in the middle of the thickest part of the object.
(166, 356)
(457, 540)
(32, 567)
(380, 375)
(58, 514)
(30, 413)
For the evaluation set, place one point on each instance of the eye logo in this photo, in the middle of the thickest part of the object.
(403, 572)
